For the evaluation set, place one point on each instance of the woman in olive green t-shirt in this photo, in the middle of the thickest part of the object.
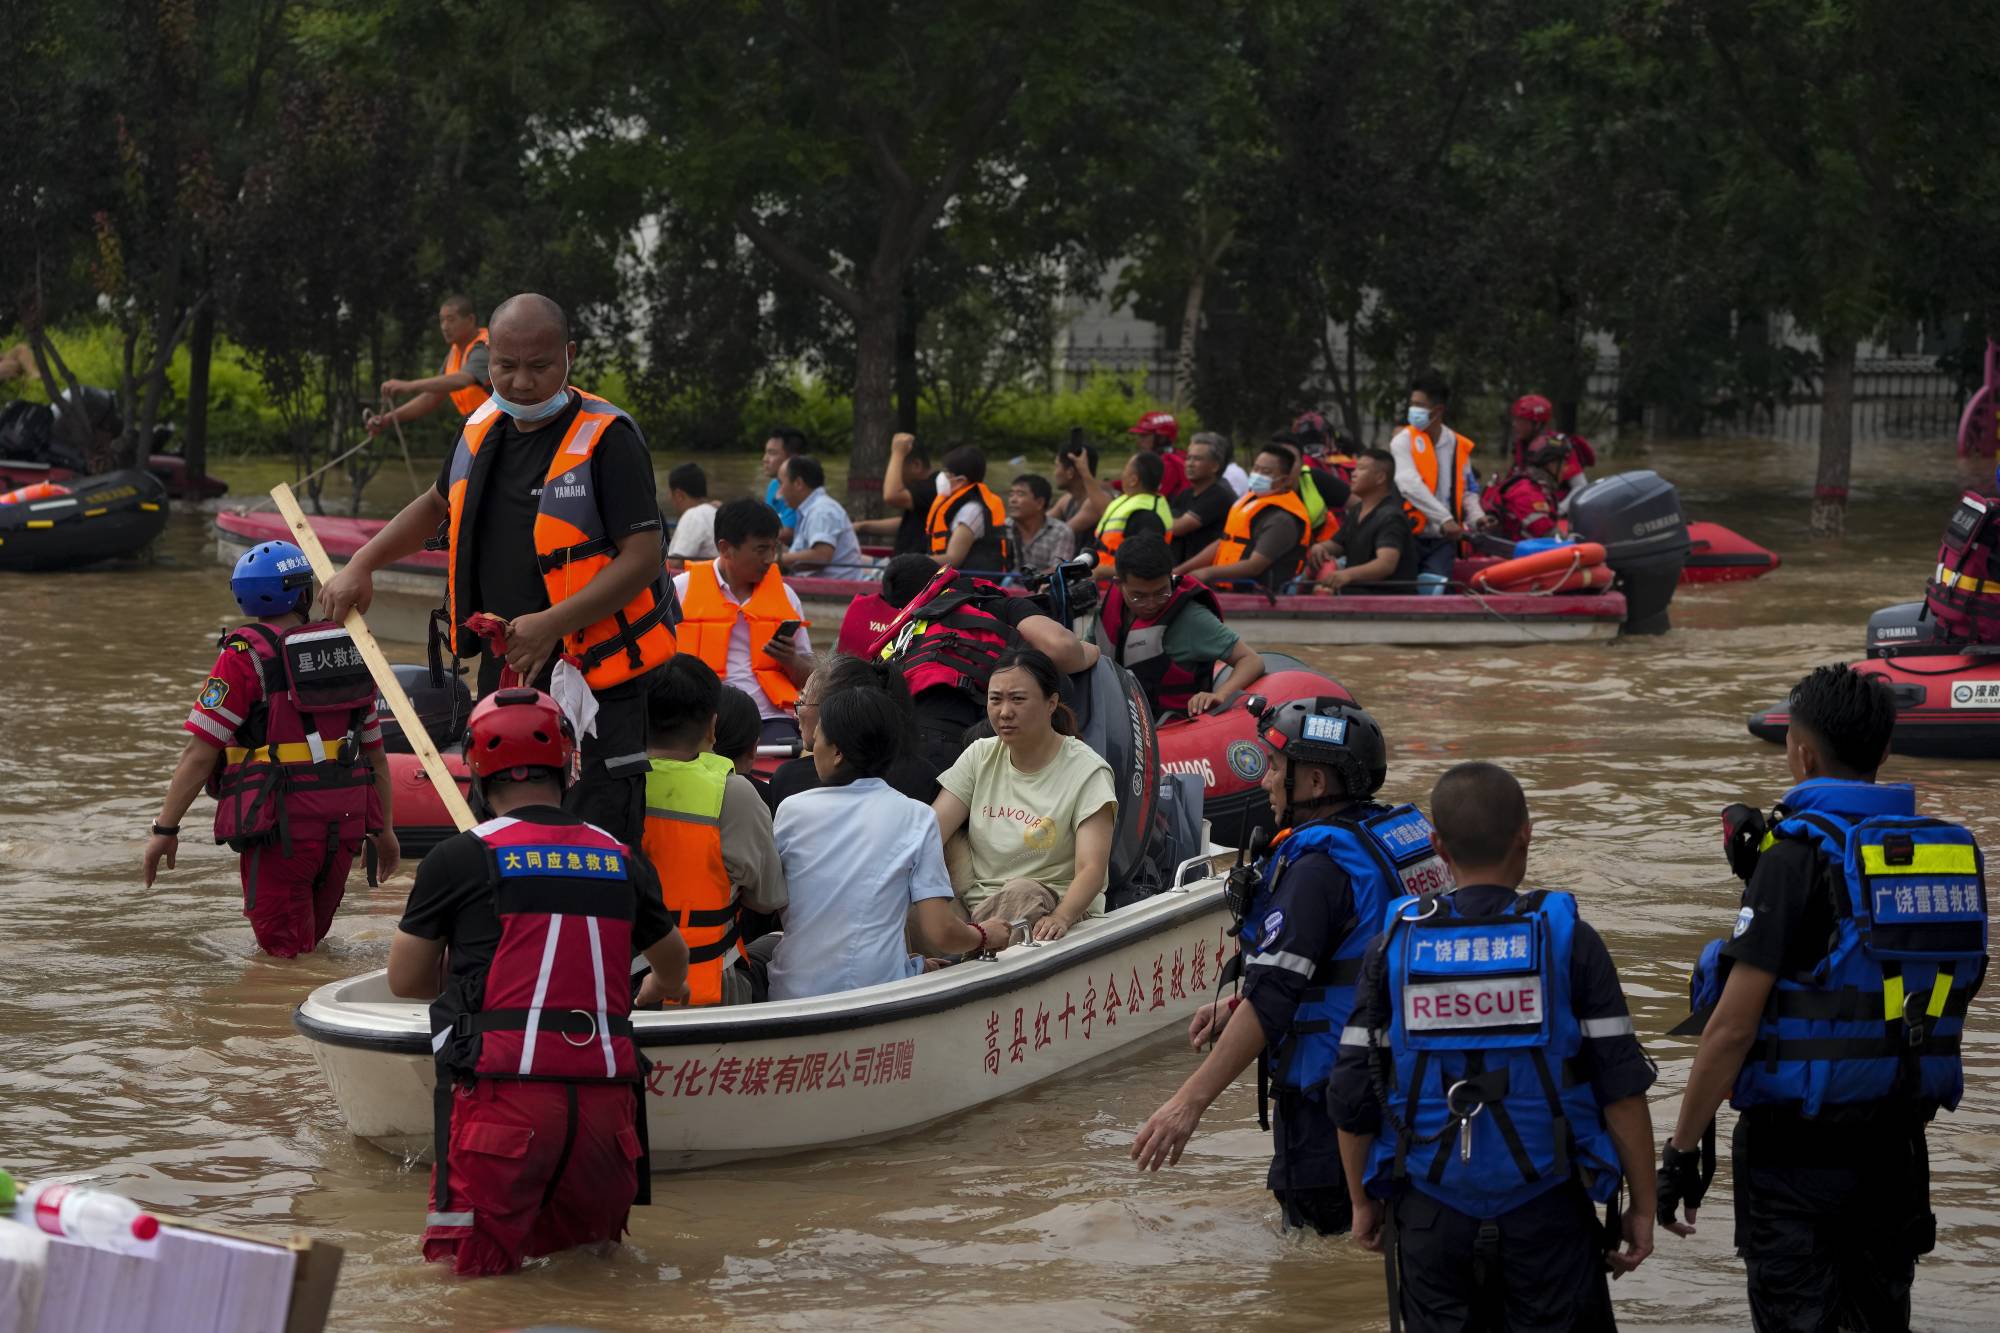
(1036, 803)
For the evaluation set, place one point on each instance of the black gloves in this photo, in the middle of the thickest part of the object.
(1743, 830)
(1684, 1176)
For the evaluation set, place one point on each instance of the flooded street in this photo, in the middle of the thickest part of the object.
(141, 1039)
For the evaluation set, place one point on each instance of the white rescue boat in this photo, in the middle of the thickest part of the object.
(757, 1081)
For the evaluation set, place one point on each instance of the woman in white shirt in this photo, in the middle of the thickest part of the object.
(861, 859)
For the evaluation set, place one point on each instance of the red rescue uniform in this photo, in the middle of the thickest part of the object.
(540, 1143)
(289, 895)
(1523, 506)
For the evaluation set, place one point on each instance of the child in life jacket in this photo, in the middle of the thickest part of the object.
(284, 736)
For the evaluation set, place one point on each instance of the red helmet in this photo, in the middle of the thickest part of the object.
(1533, 407)
(514, 730)
(1157, 423)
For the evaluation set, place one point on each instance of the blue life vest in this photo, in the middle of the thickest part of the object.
(1881, 1015)
(1386, 853)
(1482, 1041)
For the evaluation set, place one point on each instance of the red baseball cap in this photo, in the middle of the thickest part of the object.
(1157, 423)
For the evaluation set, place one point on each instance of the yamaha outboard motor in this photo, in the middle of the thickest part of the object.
(1113, 719)
(442, 702)
(1636, 517)
(1907, 630)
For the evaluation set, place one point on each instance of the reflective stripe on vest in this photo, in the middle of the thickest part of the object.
(1384, 851)
(571, 545)
(683, 840)
(468, 399)
(1481, 1052)
(708, 621)
(1237, 528)
(1111, 527)
(1881, 1016)
(991, 553)
(1425, 455)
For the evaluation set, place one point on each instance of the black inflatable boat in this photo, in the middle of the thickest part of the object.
(70, 524)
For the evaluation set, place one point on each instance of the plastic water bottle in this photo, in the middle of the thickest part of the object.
(89, 1217)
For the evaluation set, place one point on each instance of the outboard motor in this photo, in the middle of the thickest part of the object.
(1907, 630)
(1636, 517)
(441, 700)
(1114, 720)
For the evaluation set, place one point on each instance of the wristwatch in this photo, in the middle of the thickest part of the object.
(166, 830)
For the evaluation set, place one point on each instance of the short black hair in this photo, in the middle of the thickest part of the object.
(792, 438)
(1152, 470)
(682, 701)
(967, 461)
(805, 468)
(1143, 557)
(906, 576)
(738, 725)
(689, 480)
(1431, 384)
(1279, 450)
(1084, 450)
(865, 711)
(460, 302)
(1380, 455)
(1850, 713)
(740, 520)
(1144, 523)
(1038, 486)
(1478, 810)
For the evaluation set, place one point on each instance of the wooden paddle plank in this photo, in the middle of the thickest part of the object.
(378, 664)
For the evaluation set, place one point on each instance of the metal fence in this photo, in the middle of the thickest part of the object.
(1895, 398)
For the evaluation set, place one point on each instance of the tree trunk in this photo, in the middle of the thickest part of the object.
(1184, 363)
(1836, 437)
(201, 349)
(874, 407)
(908, 317)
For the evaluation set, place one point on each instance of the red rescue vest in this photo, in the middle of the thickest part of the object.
(1139, 644)
(555, 1004)
(1535, 513)
(1964, 591)
(297, 771)
(946, 639)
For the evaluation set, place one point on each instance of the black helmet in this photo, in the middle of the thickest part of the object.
(1329, 731)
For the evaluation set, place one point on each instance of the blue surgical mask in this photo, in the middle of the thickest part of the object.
(531, 413)
(1260, 484)
(1420, 418)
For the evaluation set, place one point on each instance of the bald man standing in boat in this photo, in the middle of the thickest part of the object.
(548, 505)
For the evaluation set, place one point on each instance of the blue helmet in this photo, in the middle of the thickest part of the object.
(271, 579)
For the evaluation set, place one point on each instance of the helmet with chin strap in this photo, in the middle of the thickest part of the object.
(518, 734)
(271, 579)
(1533, 407)
(1549, 453)
(1331, 732)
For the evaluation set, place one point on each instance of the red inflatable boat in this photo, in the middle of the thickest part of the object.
(1947, 695)
(1718, 555)
(171, 469)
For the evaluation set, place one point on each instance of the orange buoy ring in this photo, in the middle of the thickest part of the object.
(1571, 568)
(41, 490)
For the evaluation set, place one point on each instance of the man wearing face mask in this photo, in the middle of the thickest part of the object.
(549, 509)
(1431, 461)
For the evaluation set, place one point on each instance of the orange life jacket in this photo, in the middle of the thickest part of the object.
(468, 399)
(572, 546)
(709, 618)
(1235, 543)
(992, 553)
(683, 840)
(1424, 453)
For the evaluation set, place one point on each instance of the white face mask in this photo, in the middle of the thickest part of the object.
(1420, 418)
(944, 483)
(1260, 484)
(529, 413)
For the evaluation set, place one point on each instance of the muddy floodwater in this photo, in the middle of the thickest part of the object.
(142, 1040)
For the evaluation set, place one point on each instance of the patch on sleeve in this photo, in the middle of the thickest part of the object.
(1272, 925)
(1743, 920)
(213, 693)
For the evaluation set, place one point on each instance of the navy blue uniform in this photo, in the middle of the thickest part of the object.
(1831, 1211)
(1311, 911)
(1538, 1265)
